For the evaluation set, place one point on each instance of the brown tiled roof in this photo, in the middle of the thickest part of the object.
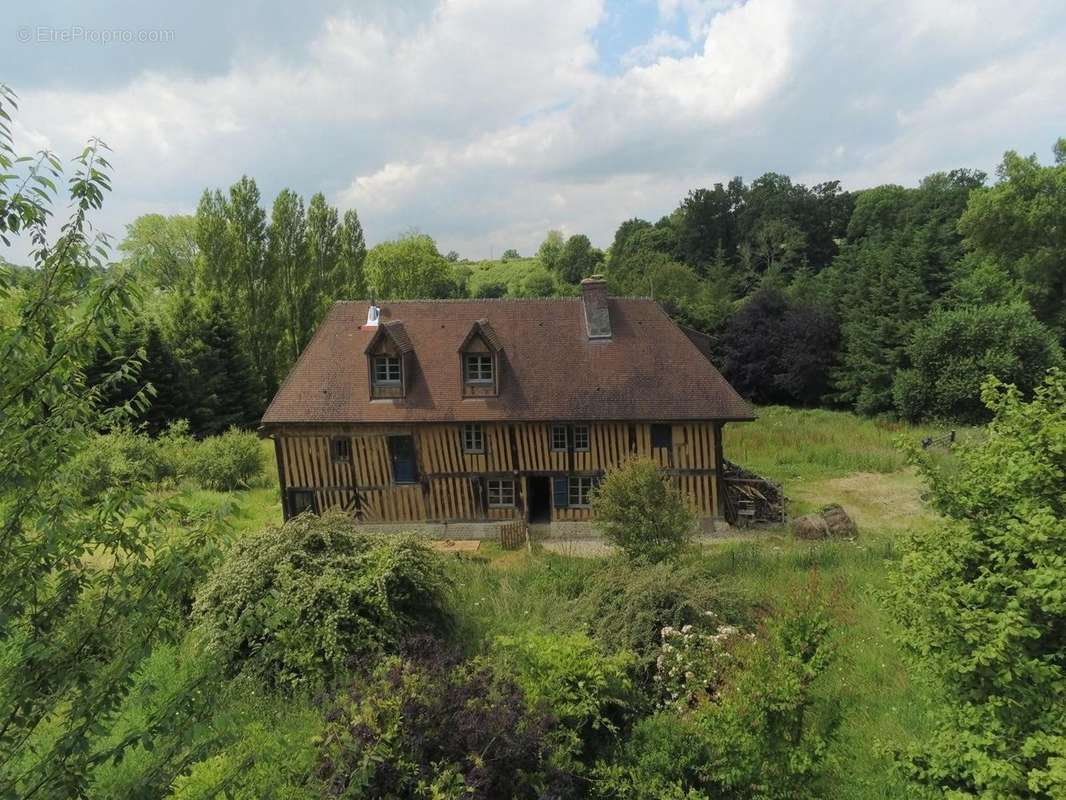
(397, 332)
(549, 368)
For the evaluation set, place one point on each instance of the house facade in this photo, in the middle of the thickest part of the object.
(474, 412)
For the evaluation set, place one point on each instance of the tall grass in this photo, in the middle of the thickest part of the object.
(786, 443)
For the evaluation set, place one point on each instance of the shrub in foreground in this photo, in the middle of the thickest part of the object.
(427, 724)
(763, 733)
(591, 694)
(627, 608)
(642, 512)
(297, 604)
(982, 602)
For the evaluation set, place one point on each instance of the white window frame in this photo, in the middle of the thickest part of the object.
(582, 432)
(556, 429)
(501, 492)
(478, 369)
(387, 363)
(580, 489)
(472, 438)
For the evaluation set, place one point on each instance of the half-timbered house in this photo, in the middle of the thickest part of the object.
(478, 411)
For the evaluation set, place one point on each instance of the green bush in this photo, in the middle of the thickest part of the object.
(982, 604)
(120, 457)
(642, 512)
(296, 604)
(627, 608)
(226, 462)
(591, 694)
(954, 350)
(764, 733)
(430, 725)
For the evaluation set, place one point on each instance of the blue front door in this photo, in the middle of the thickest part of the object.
(402, 454)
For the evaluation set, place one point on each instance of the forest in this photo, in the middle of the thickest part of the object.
(162, 636)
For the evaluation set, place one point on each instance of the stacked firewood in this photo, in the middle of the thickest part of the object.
(751, 498)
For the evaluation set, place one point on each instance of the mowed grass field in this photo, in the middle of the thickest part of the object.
(819, 457)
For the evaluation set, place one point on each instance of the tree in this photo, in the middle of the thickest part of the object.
(224, 379)
(491, 290)
(232, 235)
(287, 250)
(328, 281)
(774, 351)
(981, 603)
(351, 256)
(953, 350)
(1021, 223)
(538, 284)
(407, 269)
(550, 250)
(74, 630)
(641, 512)
(168, 379)
(163, 249)
(579, 259)
(510, 255)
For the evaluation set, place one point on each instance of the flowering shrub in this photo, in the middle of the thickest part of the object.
(691, 663)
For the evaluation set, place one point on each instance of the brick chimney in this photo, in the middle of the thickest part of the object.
(594, 299)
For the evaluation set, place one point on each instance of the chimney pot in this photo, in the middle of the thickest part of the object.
(373, 314)
(594, 300)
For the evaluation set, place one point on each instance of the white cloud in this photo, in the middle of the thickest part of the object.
(486, 123)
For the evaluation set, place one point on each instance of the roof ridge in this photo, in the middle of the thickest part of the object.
(443, 300)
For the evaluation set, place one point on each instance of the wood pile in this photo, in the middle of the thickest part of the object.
(750, 498)
(832, 522)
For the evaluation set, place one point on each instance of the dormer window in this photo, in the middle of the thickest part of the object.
(478, 368)
(390, 356)
(387, 370)
(480, 356)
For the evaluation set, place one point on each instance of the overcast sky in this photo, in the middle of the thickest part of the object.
(484, 123)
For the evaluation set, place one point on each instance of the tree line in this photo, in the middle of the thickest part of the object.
(890, 300)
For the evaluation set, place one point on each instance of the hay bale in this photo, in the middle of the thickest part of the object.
(832, 522)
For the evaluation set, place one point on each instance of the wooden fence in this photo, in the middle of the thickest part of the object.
(514, 535)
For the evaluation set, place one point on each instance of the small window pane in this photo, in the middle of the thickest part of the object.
(341, 450)
(473, 439)
(386, 369)
(580, 491)
(662, 436)
(301, 500)
(478, 369)
(558, 437)
(581, 437)
(501, 493)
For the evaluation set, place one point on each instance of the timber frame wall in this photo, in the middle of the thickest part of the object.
(451, 484)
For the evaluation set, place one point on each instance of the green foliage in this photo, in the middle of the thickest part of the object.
(294, 605)
(510, 255)
(123, 456)
(765, 732)
(642, 512)
(430, 725)
(406, 269)
(982, 602)
(590, 693)
(578, 259)
(1021, 224)
(163, 249)
(229, 461)
(627, 607)
(953, 350)
(85, 592)
(551, 250)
